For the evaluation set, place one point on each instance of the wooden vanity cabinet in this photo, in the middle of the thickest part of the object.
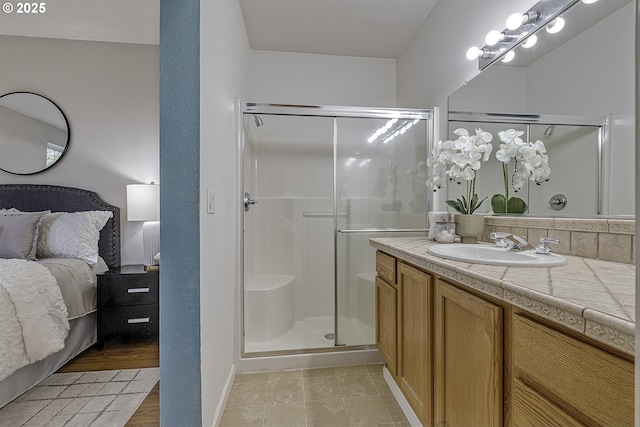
(463, 359)
(560, 380)
(415, 343)
(387, 310)
(468, 348)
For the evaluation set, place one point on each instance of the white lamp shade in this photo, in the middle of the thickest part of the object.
(143, 202)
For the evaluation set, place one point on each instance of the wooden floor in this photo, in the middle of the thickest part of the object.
(125, 355)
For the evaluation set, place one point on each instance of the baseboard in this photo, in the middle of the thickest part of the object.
(402, 401)
(222, 403)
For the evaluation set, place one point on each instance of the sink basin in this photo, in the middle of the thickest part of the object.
(493, 255)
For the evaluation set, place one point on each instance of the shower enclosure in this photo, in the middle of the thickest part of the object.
(319, 182)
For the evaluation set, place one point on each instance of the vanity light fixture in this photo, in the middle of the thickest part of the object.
(475, 52)
(530, 42)
(517, 20)
(556, 25)
(509, 56)
(589, 1)
(521, 29)
(494, 37)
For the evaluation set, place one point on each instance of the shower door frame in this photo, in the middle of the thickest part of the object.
(603, 123)
(335, 112)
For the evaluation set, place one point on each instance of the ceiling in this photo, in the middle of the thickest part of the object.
(370, 28)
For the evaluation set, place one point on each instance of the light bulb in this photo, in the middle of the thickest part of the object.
(493, 37)
(556, 25)
(514, 21)
(473, 53)
(509, 56)
(530, 42)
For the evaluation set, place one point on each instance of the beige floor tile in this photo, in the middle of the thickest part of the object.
(318, 372)
(375, 368)
(283, 390)
(356, 385)
(254, 377)
(350, 370)
(285, 415)
(380, 383)
(246, 416)
(366, 411)
(393, 408)
(285, 375)
(247, 394)
(326, 413)
(321, 388)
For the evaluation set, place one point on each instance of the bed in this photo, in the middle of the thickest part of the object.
(79, 299)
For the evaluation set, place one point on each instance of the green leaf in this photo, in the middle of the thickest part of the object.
(499, 203)
(516, 205)
(454, 204)
(476, 204)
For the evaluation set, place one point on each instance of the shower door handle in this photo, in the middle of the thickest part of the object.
(248, 201)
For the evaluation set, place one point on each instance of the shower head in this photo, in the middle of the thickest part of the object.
(258, 120)
(548, 131)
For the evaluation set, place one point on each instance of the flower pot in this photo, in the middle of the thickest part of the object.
(469, 227)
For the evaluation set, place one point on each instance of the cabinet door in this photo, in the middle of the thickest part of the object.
(386, 322)
(468, 359)
(588, 383)
(415, 368)
(531, 409)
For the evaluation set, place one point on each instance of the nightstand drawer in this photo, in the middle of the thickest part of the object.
(135, 290)
(130, 320)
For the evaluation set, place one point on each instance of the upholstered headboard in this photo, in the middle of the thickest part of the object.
(31, 197)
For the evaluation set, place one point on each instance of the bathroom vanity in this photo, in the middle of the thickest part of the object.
(482, 345)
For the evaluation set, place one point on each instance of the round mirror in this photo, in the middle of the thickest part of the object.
(34, 133)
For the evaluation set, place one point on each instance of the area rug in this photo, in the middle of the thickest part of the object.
(83, 399)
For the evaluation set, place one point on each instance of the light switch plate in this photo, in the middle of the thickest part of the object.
(211, 202)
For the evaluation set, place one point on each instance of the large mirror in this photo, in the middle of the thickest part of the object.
(589, 77)
(34, 133)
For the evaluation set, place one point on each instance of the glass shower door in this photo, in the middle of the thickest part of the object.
(380, 190)
(288, 302)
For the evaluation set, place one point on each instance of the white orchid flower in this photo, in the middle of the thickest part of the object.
(468, 173)
(540, 147)
(510, 135)
(461, 132)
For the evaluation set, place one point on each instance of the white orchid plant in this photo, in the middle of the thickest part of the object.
(459, 161)
(531, 164)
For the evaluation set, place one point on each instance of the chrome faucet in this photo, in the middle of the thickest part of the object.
(543, 247)
(508, 240)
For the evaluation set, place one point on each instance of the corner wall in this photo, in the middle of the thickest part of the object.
(224, 76)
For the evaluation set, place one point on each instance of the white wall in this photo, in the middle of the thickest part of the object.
(308, 79)
(224, 75)
(109, 93)
(595, 88)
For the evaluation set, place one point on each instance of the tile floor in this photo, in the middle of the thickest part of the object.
(325, 397)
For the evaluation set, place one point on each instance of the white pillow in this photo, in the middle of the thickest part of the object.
(71, 235)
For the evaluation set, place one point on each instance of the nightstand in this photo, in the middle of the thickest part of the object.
(128, 299)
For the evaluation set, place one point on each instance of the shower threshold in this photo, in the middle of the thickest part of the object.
(311, 333)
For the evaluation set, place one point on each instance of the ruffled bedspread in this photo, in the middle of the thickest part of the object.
(33, 316)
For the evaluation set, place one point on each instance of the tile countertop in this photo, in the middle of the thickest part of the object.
(591, 296)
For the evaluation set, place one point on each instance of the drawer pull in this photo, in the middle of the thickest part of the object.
(139, 320)
(138, 290)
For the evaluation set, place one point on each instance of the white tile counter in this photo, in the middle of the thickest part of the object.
(591, 296)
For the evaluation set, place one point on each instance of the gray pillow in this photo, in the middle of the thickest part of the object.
(19, 235)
